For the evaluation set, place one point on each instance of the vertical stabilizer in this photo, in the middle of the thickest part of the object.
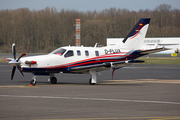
(136, 36)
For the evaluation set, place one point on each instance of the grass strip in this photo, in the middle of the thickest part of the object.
(161, 60)
(2, 60)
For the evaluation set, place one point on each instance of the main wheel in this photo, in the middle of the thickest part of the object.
(33, 83)
(90, 82)
(53, 80)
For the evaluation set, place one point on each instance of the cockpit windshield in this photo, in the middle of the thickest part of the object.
(59, 51)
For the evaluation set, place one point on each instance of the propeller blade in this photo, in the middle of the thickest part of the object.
(21, 56)
(13, 71)
(14, 51)
(18, 67)
(15, 62)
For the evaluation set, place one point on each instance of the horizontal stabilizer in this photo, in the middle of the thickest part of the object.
(145, 52)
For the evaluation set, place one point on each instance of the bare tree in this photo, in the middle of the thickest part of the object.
(47, 29)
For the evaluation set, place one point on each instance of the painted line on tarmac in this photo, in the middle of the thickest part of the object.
(93, 99)
(5, 65)
(123, 118)
(141, 81)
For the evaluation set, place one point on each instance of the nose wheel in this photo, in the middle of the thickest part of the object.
(33, 82)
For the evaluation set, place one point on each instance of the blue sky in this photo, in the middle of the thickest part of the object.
(87, 5)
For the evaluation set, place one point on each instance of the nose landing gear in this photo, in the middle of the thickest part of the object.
(33, 81)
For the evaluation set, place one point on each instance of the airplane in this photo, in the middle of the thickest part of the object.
(81, 60)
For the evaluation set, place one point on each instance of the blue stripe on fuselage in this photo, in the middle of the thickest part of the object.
(65, 69)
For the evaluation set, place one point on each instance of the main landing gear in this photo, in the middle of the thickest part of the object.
(52, 79)
(93, 80)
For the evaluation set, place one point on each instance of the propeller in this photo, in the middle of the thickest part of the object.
(16, 62)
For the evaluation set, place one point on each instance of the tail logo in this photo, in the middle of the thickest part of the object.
(136, 32)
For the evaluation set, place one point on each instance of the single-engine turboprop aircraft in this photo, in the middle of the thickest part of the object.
(79, 59)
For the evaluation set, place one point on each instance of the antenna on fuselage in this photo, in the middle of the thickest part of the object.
(78, 32)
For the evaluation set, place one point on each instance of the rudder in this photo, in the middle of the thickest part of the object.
(136, 36)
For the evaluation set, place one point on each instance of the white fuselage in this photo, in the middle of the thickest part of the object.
(79, 54)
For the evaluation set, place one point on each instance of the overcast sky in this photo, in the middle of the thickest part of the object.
(87, 5)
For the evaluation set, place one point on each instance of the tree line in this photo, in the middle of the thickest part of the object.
(47, 29)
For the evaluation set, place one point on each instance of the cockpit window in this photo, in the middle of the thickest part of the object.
(59, 51)
(69, 54)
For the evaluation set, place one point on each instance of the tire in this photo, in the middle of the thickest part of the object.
(53, 80)
(33, 83)
(90, 82)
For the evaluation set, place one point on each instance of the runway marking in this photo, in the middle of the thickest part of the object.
(124, 118)
(94, 99)
(5, 65)
(142, 81)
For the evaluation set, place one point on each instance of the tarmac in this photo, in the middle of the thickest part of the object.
(139, 92)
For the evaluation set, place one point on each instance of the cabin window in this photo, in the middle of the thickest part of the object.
(97, 53)
(59, 51)
(87, 53)
(78, 52)
(69, 53)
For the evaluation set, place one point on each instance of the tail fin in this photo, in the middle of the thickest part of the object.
(136, 36)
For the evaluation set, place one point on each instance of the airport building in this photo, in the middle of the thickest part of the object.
(151, 43)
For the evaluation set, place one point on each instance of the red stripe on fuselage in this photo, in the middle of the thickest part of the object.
(88, 61)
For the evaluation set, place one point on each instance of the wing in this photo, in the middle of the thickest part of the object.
(103, 66)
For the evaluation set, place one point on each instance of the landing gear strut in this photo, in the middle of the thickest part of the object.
(93, 80)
